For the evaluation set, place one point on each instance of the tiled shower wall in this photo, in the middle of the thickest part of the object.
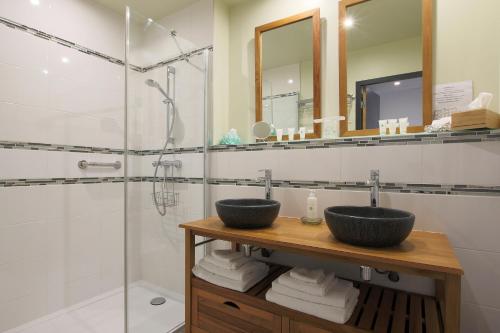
(59, 244)
(337, 171)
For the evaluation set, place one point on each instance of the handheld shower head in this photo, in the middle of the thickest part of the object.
(154, 84)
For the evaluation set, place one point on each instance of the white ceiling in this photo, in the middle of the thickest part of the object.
(154, 9)
(383, 21)
(234, 2)
(408, 84)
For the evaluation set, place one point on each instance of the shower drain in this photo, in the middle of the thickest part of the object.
(158, 301)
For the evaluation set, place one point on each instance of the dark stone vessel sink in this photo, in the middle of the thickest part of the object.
(369, 226)
(247, 213)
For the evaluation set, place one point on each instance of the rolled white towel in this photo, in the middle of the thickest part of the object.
(340, 294)
(331, 313)
(308, 275)
(234, 274)
(316, 289)
(235, 264)
(221, 281)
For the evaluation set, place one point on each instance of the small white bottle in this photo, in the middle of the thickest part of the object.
(312, 205)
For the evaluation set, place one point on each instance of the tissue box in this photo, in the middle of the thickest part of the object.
(474, 119)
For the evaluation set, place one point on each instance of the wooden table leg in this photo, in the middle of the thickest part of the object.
(189, 264)
(451, 303)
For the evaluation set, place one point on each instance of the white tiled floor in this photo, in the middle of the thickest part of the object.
(105, 314)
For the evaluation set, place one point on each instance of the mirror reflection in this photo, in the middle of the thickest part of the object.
(287, 76)
(384, 62)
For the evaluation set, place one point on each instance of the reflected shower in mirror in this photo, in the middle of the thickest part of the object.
(287, 68)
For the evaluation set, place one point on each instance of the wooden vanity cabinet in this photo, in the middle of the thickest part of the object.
(213, 309)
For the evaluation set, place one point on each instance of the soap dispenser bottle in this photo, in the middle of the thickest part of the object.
(312, 206)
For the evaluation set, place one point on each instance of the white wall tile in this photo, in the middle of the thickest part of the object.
(462, 163)
(480, 281)
(78, 21)
(396, 163)
(15, 200)
(476, 318)
(304, 164)
(244, 165)
(18, 43)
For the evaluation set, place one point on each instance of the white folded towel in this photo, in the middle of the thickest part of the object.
(242, 286)
(308, 275)
(316, 289)
(340, 294)
(227, 255)
(336, 315)
(234, 274)
(234, 264)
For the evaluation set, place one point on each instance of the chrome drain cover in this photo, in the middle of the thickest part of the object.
(158, 301)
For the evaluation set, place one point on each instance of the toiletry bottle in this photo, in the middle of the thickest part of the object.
(312, 205)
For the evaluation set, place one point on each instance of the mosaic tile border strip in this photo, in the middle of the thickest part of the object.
(416, 139)
(96, 150)
(369, 141)
(182, 57)
(83, 49)
(57, 147)
(90, 180)
(442, 189)
(325, 185)
(181, 150)
(280, 96)
(64, 181)
(177, 180)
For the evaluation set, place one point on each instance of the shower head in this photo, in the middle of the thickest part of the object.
(154, 84)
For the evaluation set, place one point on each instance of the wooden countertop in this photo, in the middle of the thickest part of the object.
(423, 253)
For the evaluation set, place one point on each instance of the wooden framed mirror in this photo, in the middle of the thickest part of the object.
(288, 73)
(385, 64)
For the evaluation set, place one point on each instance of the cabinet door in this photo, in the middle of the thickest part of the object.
(217, 314)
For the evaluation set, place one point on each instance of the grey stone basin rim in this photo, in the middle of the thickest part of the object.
(404, 214)
(241, 203)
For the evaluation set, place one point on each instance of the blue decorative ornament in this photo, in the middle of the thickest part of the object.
(230, 138)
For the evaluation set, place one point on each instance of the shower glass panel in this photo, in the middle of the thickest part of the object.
(61, 221)
(166, 76)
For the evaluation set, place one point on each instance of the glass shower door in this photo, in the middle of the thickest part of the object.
(165, 185)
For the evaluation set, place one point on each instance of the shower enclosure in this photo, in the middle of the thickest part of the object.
(103, 129)
(167, 106)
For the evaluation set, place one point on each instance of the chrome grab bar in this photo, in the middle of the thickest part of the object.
(83, 164)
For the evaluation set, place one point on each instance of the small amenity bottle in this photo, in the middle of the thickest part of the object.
(312, 206)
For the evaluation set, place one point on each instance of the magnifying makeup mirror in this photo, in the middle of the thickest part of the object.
(261, 130)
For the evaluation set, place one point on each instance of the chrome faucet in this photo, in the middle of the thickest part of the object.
(374, 184)
(268, 179)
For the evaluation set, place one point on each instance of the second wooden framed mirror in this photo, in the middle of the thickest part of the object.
(385, 64)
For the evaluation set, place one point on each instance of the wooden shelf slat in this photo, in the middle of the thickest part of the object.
(373, 313)
(384, 312)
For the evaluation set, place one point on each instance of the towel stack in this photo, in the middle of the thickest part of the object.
(231, 270)
(315, 293)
